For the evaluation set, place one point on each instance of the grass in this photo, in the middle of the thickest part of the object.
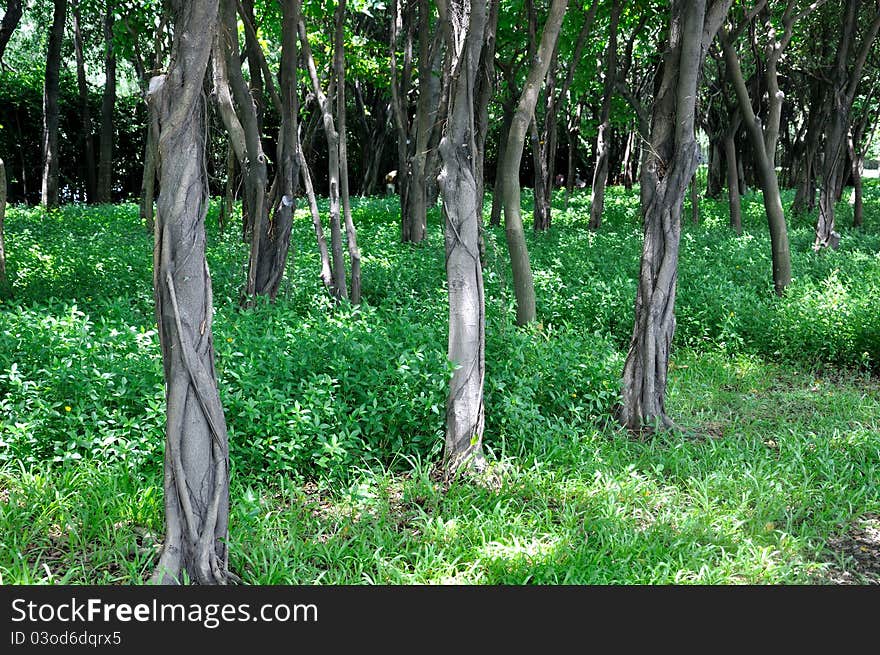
(336, 416)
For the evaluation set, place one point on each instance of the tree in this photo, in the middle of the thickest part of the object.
(49, 188)
(844, 82)
(673, 159)
(85, 110)
(600, 173)
(340, 288)
(765, 168)
(508, 168)
(464, 27)
(108, 103)
(196, 448)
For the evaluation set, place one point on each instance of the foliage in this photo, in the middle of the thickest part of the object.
(336, 414)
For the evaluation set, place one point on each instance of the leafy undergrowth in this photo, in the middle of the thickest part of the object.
(336, 415)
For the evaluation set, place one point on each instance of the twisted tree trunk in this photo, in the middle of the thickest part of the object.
(673, 160)
(464, 27)
(196, 450)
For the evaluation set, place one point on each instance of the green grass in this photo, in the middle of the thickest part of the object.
(336, 416)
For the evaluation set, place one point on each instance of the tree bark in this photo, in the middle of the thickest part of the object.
(326, 273)
(508, 169)
(196, 452)
(49, 187)
(733, 198)
(483, 90)
(855, 159)
(85, 110)
(845, 80)
(340, 287)
(105, 150)
(464, 27)
(673, 160)
(600, 172)
(354, 254)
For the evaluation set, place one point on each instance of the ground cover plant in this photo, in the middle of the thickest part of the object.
(336, 413)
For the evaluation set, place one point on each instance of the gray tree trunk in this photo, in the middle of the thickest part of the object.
(845, 79)
(49, 187)
(85, 110)
(340, 287)
(108, 102)
(781, 254)
(508, 169)
(354, 254)
(326, 272)
(196, 452)
(484, 89)
(733, 198)
(464, 27)
(603, 140)
(855, 159)
(673, 160)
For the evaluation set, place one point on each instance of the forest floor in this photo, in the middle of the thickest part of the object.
(335, 414)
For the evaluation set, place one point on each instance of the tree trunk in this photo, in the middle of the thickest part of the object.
(148, 182)
(49, 188)
(508, 169)
(484, 88)
(85, 110)
(340, 288)
(326, 273)
(464, 24)
(856, 163)
(507, 110)
(674, 158)
(105, 151)
(354, 254)
(275, 240)
(766, 171)
(9, 23)
(603, 140)
(196, 452)
(732, 180)
(844, 82)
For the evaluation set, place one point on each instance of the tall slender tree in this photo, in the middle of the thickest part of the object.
(196, 446)
(508, 168)
(108, 104)
(51, 155)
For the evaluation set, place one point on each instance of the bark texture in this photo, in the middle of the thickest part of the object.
(49, 188)
(673, 160)
(464, 27)
(845, 79)
(196, 450)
